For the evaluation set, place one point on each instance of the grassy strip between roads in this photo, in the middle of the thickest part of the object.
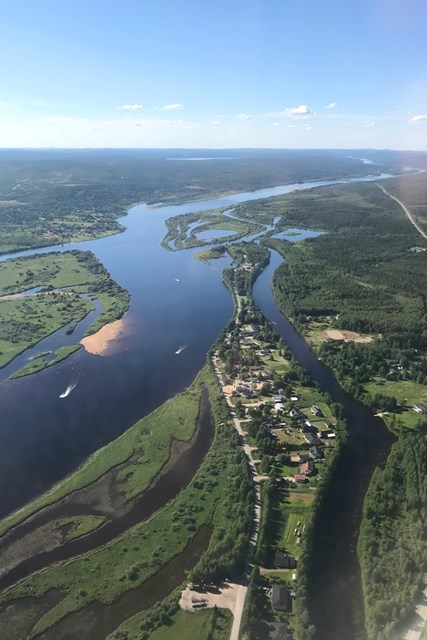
(218, 496)
(148, 442)
(40, 363)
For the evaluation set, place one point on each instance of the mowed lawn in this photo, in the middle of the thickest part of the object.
(404, 391)
(296, 513)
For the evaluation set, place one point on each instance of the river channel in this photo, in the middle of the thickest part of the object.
(175, 300)
(178, 300)
(335, 596)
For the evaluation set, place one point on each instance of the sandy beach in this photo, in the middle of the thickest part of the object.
(101, 343)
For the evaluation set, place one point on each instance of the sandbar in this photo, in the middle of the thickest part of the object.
(102, 342)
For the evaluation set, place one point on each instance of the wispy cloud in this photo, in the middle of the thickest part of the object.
(292, 126)
(131, 107)
(368, 124)
(244, 116)
(276, 124)
(418, 119)
(302, 110)
(173, 107)
(331, 105)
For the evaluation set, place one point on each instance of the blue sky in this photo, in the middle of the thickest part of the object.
(164, 73)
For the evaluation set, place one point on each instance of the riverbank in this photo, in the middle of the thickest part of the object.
(103, 342)
(58, 291)
(219, 504)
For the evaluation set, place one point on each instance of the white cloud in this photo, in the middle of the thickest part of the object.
(216, 122)
(302, 110)
(308, 127)
(417, 119)
(244, 116)
(131, 107)
(276, 124)
(173, 107)
(331, 105)
(292, 126)
(368, 124)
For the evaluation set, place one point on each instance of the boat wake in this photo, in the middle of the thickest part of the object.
(68, 390)
(180, 349)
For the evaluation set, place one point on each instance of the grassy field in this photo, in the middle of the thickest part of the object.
(65, 276)
(149, 439)
(201, 625)
(26, 321)
(295, 517)
(40, 363)
(206, 624)
(406, 392)
(80, 525)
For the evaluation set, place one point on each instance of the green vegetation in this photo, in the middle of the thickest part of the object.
(26, 321)
(183, 229)
(80, 525)
(392, 545)
(68, 280)
(146, 445)
(49, 197)
(166, 621)
(363, 277)
(214, 253)
(40, 362)
(220, 495)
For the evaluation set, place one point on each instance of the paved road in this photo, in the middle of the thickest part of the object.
(242, 589)
(407, 212)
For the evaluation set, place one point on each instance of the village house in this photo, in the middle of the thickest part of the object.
(316, 411)
(316, 452)
(307, 468)
(297, 414)
(284, 561)
(311, 438)
(279, 597)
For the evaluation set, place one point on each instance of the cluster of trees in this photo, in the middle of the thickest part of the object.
(228, 546)
(239, 280)
(392, 545)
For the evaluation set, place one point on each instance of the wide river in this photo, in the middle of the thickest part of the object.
(175, 300)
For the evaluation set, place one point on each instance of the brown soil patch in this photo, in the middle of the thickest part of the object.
(308, 497)
(102, 342)
(347, 336)
(193, 600)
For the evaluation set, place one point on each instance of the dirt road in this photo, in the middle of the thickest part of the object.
(242, 589)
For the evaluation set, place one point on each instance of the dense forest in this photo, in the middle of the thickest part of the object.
(362, 275)
(393, 540)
